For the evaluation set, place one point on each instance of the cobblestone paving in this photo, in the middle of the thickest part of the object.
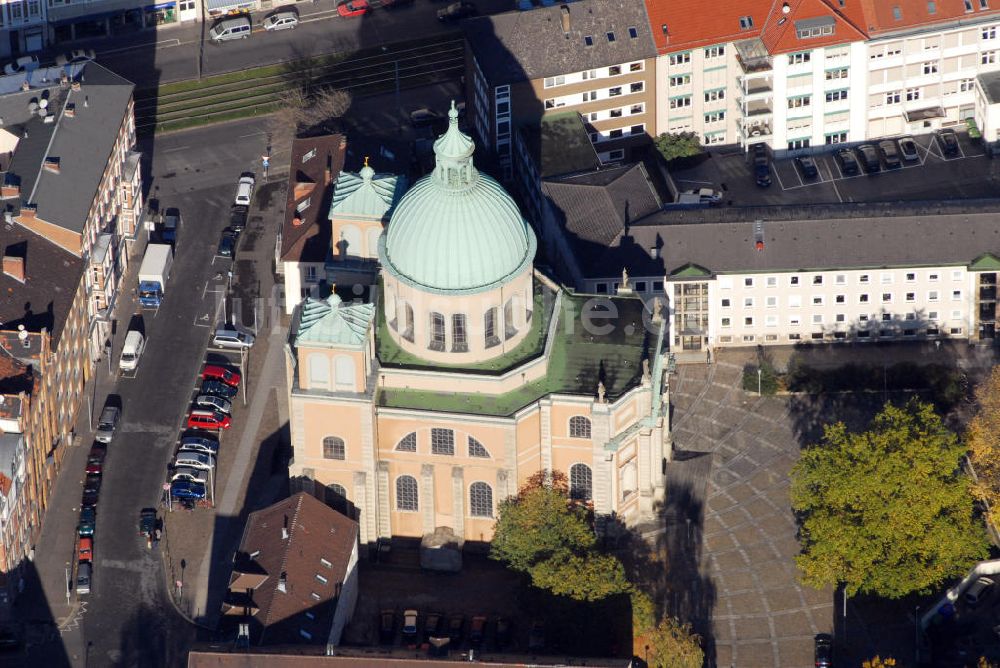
(757, 613)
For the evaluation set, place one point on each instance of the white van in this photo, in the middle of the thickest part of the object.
(227, 29)
(135, 343)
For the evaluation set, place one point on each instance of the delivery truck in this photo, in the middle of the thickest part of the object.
(153, 274)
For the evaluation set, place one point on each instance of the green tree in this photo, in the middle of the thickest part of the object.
(545, 534)
(886, 511)
(673, 145)
(673, 645)
(983, 441)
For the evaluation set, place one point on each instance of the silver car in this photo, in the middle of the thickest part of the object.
(200, 444)
(281, 20)
(195, 460)
(212, 401)
(107, 424)
(190, 474)
(229, 337)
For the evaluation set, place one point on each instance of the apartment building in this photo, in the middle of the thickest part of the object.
(73, 176)
(23, 26)
(70, 20)
(595, 57)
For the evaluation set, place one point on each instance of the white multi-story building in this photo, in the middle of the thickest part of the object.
(797, 74)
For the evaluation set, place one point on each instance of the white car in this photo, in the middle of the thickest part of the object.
(706, 195)
(22, 64)
(189, 474)
(195, 460)
(212, 401)
(229, 337)
(75, 56)
(244, 189)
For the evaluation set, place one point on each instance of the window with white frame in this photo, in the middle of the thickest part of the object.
(406, 493)
(581, 483)
(477, 449)
(715, 95)
(715, 51)
(836, 95)
(551, 82)
(680, 58)
(893, 97)
(988, 58)
(442, 441)
(408, 443)
(930, 68)
(913, 94)
(480, 500)
(989, 32)
(680, 102)
(680, 80)
(799, 58)
(956, 295)
(966, 85)
(715, 116)
(579, 426)
(333, 448)
(799, 101)
(839, 73)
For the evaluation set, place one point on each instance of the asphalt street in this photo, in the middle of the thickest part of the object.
(127, 620)
(180, 52)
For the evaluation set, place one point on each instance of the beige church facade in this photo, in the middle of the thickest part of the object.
(466, 372)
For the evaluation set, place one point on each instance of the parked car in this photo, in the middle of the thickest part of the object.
(94, 468)
(22, 64)
(85, 551)
(807, 166)
(455, 625)
(147, 521)
(75, 56)
(97, 453)
(222, 374)
(92, 483)
(202, 444)
(218, 388)
(227, 245)
(868, 157)
(477, 630)
(505, 629)
(386, 626)
(190, 475)
(424, 117)
(200, 418)
(431, 623)
(456, 11)
(890, 154)
(107, 424)
(283, 19)
(88, 499)
(238, 215)
(196, 460)
(228, 336)
(705, 195)
(848, 163)
(978, 591)
(232, 232)
(762, 174)
(83, 578)
(352, 8)
(244, 188)
(212, 401)
(183, 489)
(823, 650)
(88, 519)
(410, 624)
(948, 141)
(908, 148)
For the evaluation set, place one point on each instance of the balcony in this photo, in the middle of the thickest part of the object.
(756, 85)
(756, 108)
(757, 131)
(753, 56)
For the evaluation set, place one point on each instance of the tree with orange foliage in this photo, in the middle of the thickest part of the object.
(983, 441)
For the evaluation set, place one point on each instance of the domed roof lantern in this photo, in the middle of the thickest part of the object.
(453, 156)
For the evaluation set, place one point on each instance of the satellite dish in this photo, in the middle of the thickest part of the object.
(43, 103)
(785, 8)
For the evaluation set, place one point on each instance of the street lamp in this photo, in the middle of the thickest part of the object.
(916, 635)
(758, 381)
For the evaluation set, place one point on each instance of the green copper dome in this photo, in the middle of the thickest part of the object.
(456, 229)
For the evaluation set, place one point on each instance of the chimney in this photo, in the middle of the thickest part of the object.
(284, 529)
(51, 164)
(70, 110)
(14, 267)
(302, 189)
(328, 171)
(28, 211)
(564, 13)
(282, 581)
(10, 188)
(75, 86)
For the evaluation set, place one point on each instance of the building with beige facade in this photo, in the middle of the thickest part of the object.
(596, 57)
(467, 372)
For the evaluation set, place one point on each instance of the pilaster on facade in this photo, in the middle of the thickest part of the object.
(602, 467)
(427, 505)
(545, 442)
(458, 500)
(382, 473)
(364, 503)
(646, 474)
(510, 459)
(503, 485)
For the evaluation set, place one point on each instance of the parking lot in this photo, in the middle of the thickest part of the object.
(934, 176)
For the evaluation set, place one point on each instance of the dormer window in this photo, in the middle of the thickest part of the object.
(633, 32)
(308, 156)
(303, 205)
(897, 13)
(611, 36)
(746, 22)
(588, 40)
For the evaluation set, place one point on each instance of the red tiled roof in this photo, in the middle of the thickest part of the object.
(914, 13)
(306, 236)
(689, 25)
(780, 36)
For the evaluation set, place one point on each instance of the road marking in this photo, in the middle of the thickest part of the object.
(704, 183)
(253, 134)
(166, 42)
(833, 181)
(179, 148)
(777, 176)
(123, 565)
(204, 321)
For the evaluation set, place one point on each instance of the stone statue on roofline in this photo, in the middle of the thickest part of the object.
(625, 285)
(601, 392)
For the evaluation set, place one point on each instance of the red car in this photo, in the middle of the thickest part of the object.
(207, 419)
(353, 8)
(216, 372)
(86, 551)
(94, 468)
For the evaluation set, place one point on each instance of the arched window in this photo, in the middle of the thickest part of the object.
(490, 327)
(406, 493)
(344, 369)
(579, 427)
(508, 319)
(437, 332)
(408, 322)
(350, 242)
(477, 449)
(408, 443)
(373, 234)
(319, 370)
(480, 500)
(336, 497)
(333, 448)
(442, 441)
(459, 341)
(581, 483)
(627, 479)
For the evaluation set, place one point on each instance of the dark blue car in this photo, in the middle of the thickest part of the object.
(184, 489)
